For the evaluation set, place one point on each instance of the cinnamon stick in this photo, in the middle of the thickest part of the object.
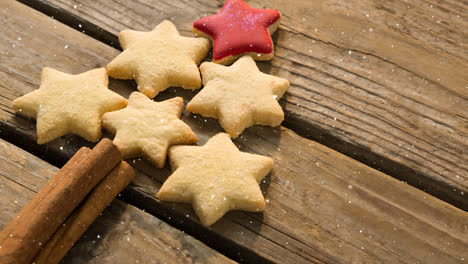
(41, 217)
(61, 242)
(79, 155)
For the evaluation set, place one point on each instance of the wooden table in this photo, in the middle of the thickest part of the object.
(370, 164)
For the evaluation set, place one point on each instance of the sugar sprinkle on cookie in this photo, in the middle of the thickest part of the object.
(159, 59)
(239, 29)
(216, 178)
(66, 103)
(239, 96)
(147, 128)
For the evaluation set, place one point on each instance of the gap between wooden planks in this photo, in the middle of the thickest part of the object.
(383, 82)
(122, 234)
(322, 206)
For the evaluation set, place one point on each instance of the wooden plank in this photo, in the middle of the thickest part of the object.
(381, 81)
(322, 206)
(122, 234)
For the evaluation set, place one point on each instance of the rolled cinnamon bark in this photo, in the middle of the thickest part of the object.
(41, 217)
(80, 154)
(61, 242)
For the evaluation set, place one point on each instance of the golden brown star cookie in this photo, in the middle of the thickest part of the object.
(159, 59)
(66, 103)
(239, 96)
(148, 128)
(216, 178)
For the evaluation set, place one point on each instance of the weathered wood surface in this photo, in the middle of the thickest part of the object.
(122, 234)
(384, 82)
(322, 206)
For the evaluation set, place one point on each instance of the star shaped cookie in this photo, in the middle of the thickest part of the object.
(239, 29)
(148, 128)
(66, 103)
(159, 59)
(216, 178)
(239, 96)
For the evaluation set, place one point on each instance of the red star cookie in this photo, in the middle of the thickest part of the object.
(239, 29)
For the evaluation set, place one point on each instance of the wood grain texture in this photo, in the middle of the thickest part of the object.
(122, 234)
(322, 206)
(383, 82)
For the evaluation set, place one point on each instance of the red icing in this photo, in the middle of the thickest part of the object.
(238, 28)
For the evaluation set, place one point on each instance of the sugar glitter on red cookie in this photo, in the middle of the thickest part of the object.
(239, 29)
